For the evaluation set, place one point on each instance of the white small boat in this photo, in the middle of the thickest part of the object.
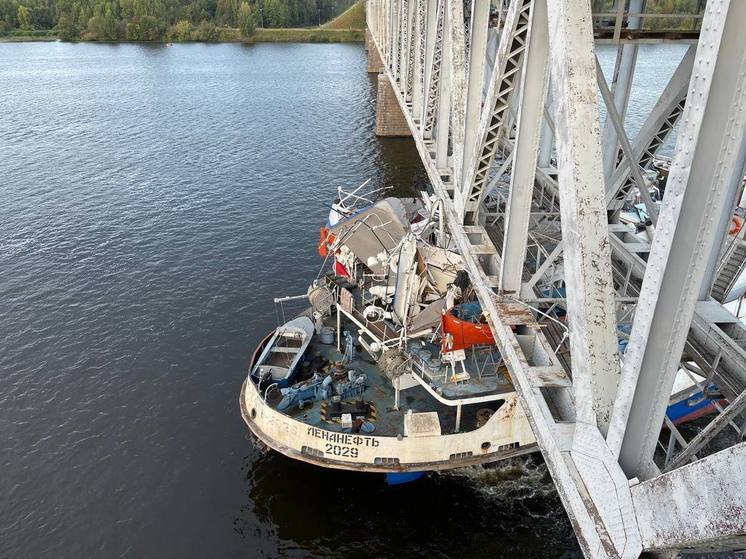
(279, 361)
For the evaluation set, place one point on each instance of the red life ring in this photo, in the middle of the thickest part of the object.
(735, 225)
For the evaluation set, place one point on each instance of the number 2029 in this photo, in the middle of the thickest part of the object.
(343, 451)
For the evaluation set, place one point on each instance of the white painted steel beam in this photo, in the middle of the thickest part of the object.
(480, 15)
(620, 136)
(402, 46)
(405, 44)
(699, 506)
(547, 136)
(654, 131)
(384, 33)
(443, 122)
(411, 21)
(394, 24)
(708, 164)
(431, 30)
(621, 87)
(505, 76)
(418, 47)
(457, 59)
(530, 118)
(590, 289)
(432, 102)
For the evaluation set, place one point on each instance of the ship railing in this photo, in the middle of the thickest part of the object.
(729, 247)
(268, 389)
(458, 403)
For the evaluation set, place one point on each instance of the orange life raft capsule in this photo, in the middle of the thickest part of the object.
(461, 329)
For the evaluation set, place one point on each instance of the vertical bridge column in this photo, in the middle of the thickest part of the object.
(530, 117)
(591, 311)
(390, 119)
(702, 186)
(375, 64)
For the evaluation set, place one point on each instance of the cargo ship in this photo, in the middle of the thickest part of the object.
(392, 366)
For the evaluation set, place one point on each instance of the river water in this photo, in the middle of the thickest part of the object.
(154, 200)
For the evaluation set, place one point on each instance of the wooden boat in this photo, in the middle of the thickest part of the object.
(279, 361)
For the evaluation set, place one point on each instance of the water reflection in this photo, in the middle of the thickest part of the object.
(155, 201)
(506, 510)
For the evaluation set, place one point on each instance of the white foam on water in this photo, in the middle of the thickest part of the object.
(521, 483)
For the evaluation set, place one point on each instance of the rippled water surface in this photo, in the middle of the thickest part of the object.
(154, 200)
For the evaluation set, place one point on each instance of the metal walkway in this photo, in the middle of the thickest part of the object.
(501, 99)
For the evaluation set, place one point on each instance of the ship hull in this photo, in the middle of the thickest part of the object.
(505, 435)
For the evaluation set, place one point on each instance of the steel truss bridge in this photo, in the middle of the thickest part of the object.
(502, 101)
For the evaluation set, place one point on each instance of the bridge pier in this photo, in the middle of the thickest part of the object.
(375, 65)
(390, 120)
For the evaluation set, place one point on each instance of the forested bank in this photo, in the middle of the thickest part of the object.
(161, 20)
(226, 20)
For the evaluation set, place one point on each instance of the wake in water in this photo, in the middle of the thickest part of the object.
(508, 481)
(518, 494)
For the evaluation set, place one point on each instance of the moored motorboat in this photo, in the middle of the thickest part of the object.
(279, 360)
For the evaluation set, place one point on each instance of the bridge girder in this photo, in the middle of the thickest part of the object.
(465, 157)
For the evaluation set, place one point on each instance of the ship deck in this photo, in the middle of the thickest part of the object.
(487, 380)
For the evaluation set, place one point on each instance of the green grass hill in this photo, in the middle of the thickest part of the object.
(352, 18)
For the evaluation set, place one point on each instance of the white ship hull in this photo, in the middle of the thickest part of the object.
(507, 433)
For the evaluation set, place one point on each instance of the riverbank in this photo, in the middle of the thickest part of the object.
(29, 36)
(228, 35)
(312, 35)
(347, 27)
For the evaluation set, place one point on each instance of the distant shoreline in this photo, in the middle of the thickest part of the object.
(284, 35)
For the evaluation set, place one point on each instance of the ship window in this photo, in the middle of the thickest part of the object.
(386, 461)
(458, 455)
(311, 451)
(486, 445)
(253, 413)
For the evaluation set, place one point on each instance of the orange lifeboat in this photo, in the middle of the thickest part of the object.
(462, 329)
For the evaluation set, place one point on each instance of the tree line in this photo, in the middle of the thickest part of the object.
(158, 20)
